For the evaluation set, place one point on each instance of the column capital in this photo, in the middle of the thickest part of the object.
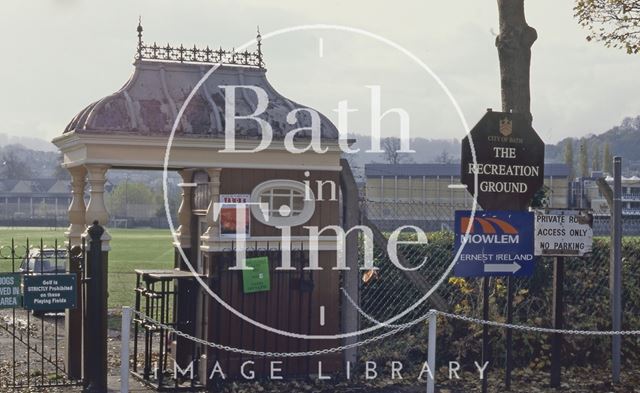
(214, 175)
(212, 234)
(77, 172)
(96, 172)
(97, 209)
(187, 174)
(183, 232)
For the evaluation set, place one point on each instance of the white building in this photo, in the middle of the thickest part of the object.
(630, 196)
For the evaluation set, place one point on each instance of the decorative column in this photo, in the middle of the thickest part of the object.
(73, 317)
(186, 290)
(76, 208)
(97, 209)
(207, 245)
(212, 234)
(183, 233)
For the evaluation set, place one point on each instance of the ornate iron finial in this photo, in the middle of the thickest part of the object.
(95, 231)
(259, 39)
(139, 29)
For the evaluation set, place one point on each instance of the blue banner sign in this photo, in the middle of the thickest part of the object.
(494, 243)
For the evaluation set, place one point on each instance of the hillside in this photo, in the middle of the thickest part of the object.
(623, 139)
(28, 142)
(20, 162)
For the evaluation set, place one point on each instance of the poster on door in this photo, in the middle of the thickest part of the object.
(228, 215)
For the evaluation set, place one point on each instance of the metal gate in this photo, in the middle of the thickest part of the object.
(32, 343)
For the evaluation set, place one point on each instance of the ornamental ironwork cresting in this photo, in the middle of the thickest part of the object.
(197, 55)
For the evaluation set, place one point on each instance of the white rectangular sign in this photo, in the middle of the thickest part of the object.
(563, 232)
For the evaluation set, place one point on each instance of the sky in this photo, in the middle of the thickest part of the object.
(59, 56)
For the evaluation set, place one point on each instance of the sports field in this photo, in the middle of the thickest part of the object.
(130, 249)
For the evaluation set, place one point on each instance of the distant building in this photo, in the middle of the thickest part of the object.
(34, 198)
(36, 202)
(420, 194)
(594, 199)
(587, 195)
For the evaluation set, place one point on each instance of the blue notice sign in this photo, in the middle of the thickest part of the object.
(498, 243)
(50, 292)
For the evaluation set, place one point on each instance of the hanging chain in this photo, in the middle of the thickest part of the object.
(541, 329)
(397, 329)
(281, 354)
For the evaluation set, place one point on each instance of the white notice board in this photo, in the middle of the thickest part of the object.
(563, 232)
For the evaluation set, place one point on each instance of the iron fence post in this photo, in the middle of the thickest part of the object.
(509, 335)
(558, 322)
(431, 351)
(73, 319)
(95, 348)
(616, 268)
(486, 346)
(124, 349)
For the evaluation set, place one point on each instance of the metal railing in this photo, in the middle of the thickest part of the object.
(36, 336)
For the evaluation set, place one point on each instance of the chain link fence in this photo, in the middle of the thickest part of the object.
(389, 292)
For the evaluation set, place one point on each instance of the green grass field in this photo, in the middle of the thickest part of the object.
(130, 249)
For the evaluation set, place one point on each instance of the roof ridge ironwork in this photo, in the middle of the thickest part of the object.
(181, 54)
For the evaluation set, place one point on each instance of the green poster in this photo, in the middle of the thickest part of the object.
(256, 280)
(10, 290)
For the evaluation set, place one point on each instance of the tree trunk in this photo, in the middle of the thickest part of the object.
(514, 51)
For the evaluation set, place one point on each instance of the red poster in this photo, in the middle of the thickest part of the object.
(228, 221)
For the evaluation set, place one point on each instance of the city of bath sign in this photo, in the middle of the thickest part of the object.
(509, 161)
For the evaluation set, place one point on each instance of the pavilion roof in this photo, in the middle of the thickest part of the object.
(164, 76)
